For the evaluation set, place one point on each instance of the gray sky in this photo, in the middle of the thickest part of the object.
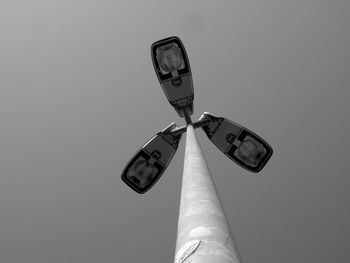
(78, 96)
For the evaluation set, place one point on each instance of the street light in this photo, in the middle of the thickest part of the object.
(173, 70)
(149, 163)
(202, 224)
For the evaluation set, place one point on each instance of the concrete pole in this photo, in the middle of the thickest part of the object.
(203, 234)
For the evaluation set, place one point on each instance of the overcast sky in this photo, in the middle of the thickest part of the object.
(78, 97)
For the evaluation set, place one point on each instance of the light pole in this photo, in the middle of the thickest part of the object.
(203, 233)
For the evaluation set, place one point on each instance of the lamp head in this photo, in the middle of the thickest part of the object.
(173, 70)
(238, 143)
(149, 163)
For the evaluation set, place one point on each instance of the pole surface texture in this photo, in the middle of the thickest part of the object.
(203, 233)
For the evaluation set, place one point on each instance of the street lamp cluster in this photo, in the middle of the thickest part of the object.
(173, 70)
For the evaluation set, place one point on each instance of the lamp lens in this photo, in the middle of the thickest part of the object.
(169, 58)
(141, 172)
(250, 151)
